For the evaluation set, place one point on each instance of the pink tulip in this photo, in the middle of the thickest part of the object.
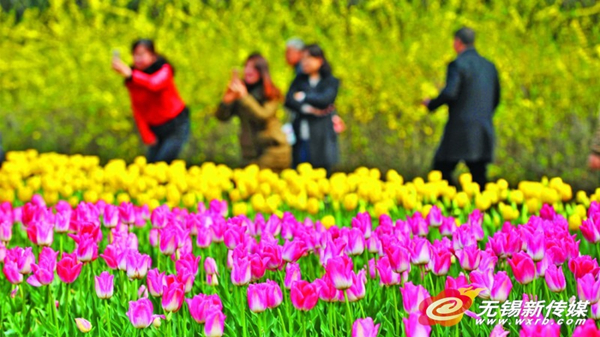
(476, 224)
(483, 280)
(363, 222)
(87, 247)
(140, 313)
(137, 264)
(587, 330)
(548, 330)
(374, 245)
(273, 255)
(155, 281)
(203, 238)
(413, 328)
(42, 232)
(241, 273)
(523, 268)
(434, 217)
(23, 257)
(463, 237)
(420, 251)
(104, 285)
(469, 257)
(189, 262)
(339, 271)
(304, 295)
(499, 331)
(11, 272)
(327, 291)
(234, 236)
(274, 294)
(555, 279)
(501, 287)
(173, 294)
(258, 267)
(580, 266)
(14, 292)
(5, 230)
(365, 328)
(357, 291)
(127, 213)
(448, 226)
(83, 325)
(412, 296)
(217, 230)
(169, 240)
(460, 282)
(201, 305)
(399, 257)
(595, 311)
(588, 289)
(43, 272)
(418, 225)
(69, 268)
(210, 266)
(441, 261)
(159, 217)
(215, 324)
(212, 280)
(292, 274)
(534, 244)
(387, 276)
(293, 250)
(257, 297)
(488, 260)
(355, 242)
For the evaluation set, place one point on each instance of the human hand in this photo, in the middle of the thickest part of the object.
(594, 162)
(238, 87)
(426, 102)
(338, 124)
(299, 96)
(121, 68)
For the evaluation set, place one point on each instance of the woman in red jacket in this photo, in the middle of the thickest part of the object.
(161, 116)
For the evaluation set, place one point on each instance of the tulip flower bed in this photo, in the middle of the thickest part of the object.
(123, 271)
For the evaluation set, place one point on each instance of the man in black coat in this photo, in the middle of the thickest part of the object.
(472, 94)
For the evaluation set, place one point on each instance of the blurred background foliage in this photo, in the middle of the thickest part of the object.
(58, 93)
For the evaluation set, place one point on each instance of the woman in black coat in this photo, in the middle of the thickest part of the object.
(310, 98)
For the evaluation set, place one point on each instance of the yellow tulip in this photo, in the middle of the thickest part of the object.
(25, 193)
(574, 222)
(258, 202)
(312, 206)
(462, 199)
(240, 208)
(350, 201)
(533, 205)
(516, 196)
(189, 200)
(328, 221)
(90, 196)
(434, 176)
(465, 179)
(123, 197)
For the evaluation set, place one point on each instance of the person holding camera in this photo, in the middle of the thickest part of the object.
(160, 114)
(255, 100)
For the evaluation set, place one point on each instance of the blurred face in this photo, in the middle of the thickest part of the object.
(458, 45)
(293, 56)
(311, 64)
(143, 58)
(251, 75)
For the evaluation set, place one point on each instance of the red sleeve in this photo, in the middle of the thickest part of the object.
(155, 81)
(148, 137)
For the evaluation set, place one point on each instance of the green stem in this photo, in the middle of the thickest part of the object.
(108, 318)
(282, 322)
(287, 304)
(54, 312)
(68, 308)
(350, 320)
(242, 303)
(260, 326)
(304, 326)
(398, 332)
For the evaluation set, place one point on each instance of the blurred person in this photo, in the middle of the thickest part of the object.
(161, 116)
(472, 93)
(311, 98)
(294, 49)
(594, 157)
(255, 100)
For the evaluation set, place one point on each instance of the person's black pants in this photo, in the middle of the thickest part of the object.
(171, 137)
(478, 171)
